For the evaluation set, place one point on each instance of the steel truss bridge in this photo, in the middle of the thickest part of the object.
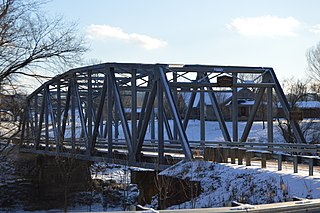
(130, 114)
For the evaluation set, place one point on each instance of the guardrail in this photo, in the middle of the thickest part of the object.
(295, 153)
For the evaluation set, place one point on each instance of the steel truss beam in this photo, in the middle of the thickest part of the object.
(133, 109)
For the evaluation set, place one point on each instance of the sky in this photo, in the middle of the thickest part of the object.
(264, 33)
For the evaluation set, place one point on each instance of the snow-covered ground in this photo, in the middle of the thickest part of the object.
(223, 183)
(258, 132)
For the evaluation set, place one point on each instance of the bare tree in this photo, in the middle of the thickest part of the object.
(313, 58)
(29, 39)
(297, 90)
(297, 93)
(35, 45)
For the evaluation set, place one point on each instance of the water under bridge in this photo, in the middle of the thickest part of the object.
(139, 114)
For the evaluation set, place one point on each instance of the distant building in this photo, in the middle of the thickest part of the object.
(309, 109)
(246, 100)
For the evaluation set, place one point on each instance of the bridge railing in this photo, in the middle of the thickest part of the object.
(174, 147)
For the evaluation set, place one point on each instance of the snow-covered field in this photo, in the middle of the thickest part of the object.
(258, 132)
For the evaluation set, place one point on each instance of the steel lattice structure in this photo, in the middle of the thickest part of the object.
(92, 112)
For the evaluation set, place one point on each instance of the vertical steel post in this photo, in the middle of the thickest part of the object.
(73, 114)
(89, 112)
(116, 122)
(160, 124)
(311, 160)
(280, 162)
(175, 96)
(58, 148)
(36, 111)
(24, 130)
(270, 115)
(202, 116)
(295, 163)
(109, 117)
(152, 125)
(134, 108)
(46, 114)
(234, 109)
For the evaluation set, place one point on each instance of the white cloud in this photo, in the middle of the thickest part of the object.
(265, 26)
(105, 31)
(315, 29)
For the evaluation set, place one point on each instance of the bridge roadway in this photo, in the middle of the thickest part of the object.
(278, 156)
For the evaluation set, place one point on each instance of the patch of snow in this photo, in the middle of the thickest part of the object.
(308, 104)
(304, 104)
(223, 183)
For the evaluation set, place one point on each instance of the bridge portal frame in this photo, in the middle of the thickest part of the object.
(80, 112)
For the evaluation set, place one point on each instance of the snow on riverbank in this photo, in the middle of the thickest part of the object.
(223, 183)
